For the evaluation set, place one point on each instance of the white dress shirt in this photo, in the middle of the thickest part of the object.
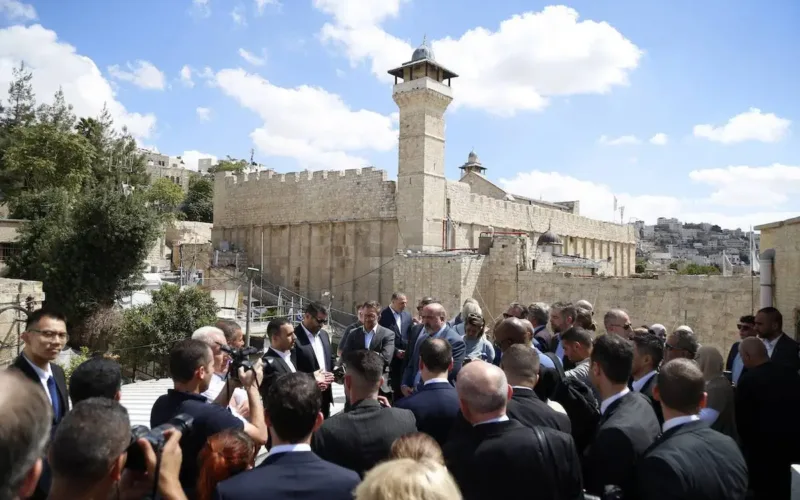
(44, 375)
(437, 381)
(316, 344)
(218, 383)
(288, 448)
(504, 418)
(638, 384)
(287, 357)
(397, 319)
(368, 336)
(770, 344)
(607, 402)
(674, 422)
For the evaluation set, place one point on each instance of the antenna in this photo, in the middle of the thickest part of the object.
(252, 152)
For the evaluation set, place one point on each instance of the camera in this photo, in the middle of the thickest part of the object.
(155, 437)
(240, 358)
(338, 374)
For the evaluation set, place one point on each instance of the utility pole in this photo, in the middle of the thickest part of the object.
(249, 305)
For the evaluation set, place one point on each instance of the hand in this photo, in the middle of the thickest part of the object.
(406, 390)
(322, 386)
(138, 485)
(329, 378)
(243, 409)
(248, 377)
(384, 402)
(400, 354)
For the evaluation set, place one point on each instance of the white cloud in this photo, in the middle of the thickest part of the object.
(252, 58)
(660, 139)
(186, 76)
(530, 58)
(237, 14)
(618, 141)
(340, 73)
(308, 124)
(143, 74)
(203, 114)
(56, 64)
(190, 158)
(735, 186)
(752, 125)
(262, 4)
(202, 7)
(16, 10)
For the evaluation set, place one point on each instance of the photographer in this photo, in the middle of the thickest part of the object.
(89, 452)
(192, 366)
(235, 399)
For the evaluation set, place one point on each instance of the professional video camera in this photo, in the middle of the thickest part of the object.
(155, 437)
(240, 358)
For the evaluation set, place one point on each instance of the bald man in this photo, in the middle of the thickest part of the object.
(767, 409)
(493, 450)
(585, 305)
(512, 331)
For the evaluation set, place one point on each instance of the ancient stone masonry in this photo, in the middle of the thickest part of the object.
(13, 294)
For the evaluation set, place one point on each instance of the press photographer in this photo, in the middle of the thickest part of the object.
(191, 364)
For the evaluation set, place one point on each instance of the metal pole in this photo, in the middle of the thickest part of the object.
(249, 306)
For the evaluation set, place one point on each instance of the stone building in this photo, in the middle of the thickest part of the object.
(343, 231)
(780, 285)
(169, 167)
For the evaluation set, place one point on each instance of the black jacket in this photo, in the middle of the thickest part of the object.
(647, 391)
(526, 408)
(382, 343)
(274, 367)
(307, 360)
(435, 407)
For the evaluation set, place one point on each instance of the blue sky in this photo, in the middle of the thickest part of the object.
(560, 101)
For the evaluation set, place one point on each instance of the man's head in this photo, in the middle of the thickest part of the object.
(315, 317)
(25, 420)
(612, 360)
(293, 408)
(45, 335)
(539, 314)
(583, 319)
(214, 338)
(747, 326)
(577, 344)
(521, 365)
(88, 450)
(473, 326)
(435, 358)
(191, 364)
(511, 331)
(682, 343)
(363, 375)
(562, 316)
(680, 387)
(753, 352)
(469, 308)
(399, 302)
(233, 332)
(360, 313)
(618, 322)
(648, 350)
(281, 334)
(424, 302)
(483, 391)
(97, 377)
(370, 315)
(434, 317)
(769, 323)
(515, 310)
(659, 330)
(585, 305)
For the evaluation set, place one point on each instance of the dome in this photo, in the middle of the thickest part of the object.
(548, 238)
(423, 52)
(472, 158)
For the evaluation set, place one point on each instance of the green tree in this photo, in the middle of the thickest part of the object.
(21, 108)
(673, 266)
(199, 203)
(697, 269)
(172, 316)
(641, 266)
(165, 195)
(229, 165)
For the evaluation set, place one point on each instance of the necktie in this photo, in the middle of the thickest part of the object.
(51, 388)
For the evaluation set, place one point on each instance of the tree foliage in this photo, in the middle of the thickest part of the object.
(172, 316)
(229, 164)
(199, 203)
(697, 269)
(165, 195)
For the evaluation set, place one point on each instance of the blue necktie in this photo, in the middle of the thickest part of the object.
(51, 388)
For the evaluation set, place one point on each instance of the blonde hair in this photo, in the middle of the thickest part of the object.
(407, 479)
(417, 446)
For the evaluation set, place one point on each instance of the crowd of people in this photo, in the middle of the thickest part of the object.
(541, 403)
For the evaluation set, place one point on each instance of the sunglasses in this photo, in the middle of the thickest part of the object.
(321, 321)
(744, 327)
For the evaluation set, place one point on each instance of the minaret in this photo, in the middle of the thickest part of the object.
(422, 92)
(473, 165)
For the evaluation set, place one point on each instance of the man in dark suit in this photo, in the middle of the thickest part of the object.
(521, 366)
(314, 351)
(767, 405)
(781, 348)
(562, 317)
(689, 460)
(281, 356)
(292, 470)
(435, 405)
(363, 434)
(434, 317)
(349, 329)
(734, 365)
(373, 337)
(398, 320)
(628, 424)
(539, 316)
(648, 350)
(45, 336)
(487, 462)
(416, 328)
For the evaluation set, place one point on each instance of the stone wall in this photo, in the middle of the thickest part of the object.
(12, 322)
(784, 238)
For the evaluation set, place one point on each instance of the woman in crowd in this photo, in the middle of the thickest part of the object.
(478, 346)
(224, 455)
(408, 479)
(417, 446)
(719, 410)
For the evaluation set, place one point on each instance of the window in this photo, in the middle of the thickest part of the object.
(7, 250)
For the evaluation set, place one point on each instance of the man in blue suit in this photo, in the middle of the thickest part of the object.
(434, 317)
(292, 470)
(397, 319)
(435, 405)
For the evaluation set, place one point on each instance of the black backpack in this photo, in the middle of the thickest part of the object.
(582, 409)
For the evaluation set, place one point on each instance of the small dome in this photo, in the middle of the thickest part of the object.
(548, 238)
(423, 52)
(472, 158)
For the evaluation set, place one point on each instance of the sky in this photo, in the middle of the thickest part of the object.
(678, 109)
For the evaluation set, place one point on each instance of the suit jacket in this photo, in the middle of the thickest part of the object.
(627, 428)
(786, 352)
(486, 462)
(382, 343)
(299, 475)
(347, 332)
(692, 461)
(400, 335)
(647, 391)
(526, 408)
(732, 356)
(307, 360)
(362, 435)
(274, 367)
(435, 407)
(457, 344)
